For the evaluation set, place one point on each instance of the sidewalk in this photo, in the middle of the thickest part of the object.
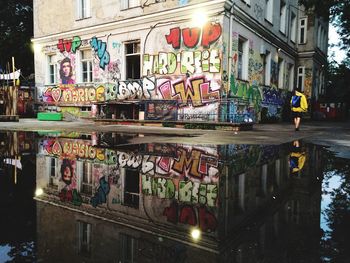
(261, 133)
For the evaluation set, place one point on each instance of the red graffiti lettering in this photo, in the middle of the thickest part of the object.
(207, 221)
(191, 36)
(64, 45)
(174, 37)
(188, 216)
(211, 33)
(171, 213)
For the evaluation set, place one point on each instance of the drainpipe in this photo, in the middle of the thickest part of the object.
(229, 56)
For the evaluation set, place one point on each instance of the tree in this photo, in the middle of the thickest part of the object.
(338, 86)
(16, 27)
(338, 12)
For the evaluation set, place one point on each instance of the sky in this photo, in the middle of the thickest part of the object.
(334, 39)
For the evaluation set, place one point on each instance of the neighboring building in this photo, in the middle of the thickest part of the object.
(148, 60)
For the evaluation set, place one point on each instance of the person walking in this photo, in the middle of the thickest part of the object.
(298, 106)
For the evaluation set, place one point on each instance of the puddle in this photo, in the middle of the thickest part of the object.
(100, 198)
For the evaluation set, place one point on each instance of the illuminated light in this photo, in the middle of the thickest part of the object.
(199, 18)
(36, 47)
(39, 192)
(196, 234)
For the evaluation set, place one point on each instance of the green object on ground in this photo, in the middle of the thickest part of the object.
(49, 116)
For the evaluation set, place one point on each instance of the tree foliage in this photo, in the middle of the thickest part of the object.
(338, 76)
(338, 12)
(16, 27)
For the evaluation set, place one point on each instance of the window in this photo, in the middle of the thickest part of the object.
(132, 191)
(283, 13)
(125, 4)
(301, 76)
(293, 27)
(267, 69)
(84, 238)
(83, 9)
(86, 65)
(291, 77)
(247, 2)
(53, 180)
(280, 73)
(128, 248)
(87, 180)
(132, 60)
(242, 67)
(319, 36)
(302, 30)
(321, 84)
(52, 70)
(269, 10)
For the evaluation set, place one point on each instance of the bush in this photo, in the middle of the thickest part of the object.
(168, 124)
(203, 126)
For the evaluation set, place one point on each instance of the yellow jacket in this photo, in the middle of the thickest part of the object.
(300, 156)
(303, 103)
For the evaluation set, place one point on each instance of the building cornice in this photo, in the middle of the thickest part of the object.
(177, 14)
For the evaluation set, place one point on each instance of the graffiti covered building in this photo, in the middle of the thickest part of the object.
(148, 60)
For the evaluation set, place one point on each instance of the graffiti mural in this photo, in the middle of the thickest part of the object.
(196, 90)
(67, 45)
(184, 62)
(191, 36)
(100, 49)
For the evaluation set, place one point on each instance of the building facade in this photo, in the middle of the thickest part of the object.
(152, 60)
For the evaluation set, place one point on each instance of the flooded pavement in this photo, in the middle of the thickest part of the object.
(113, 197)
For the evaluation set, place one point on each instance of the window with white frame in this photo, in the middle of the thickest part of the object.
(83, 9)
(291, 77)
(267, 68)
(283, 15)
(302, 30)
(125, 4)
(86, 65)
(132, 58)
(280, 73)
(301, 77)
(52, 69)
(269, 10)
(242, 67)
(293, 27)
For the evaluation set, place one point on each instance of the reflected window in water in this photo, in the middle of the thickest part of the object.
(87, 178)
(128, 248)
(84, 238)
(132, 185)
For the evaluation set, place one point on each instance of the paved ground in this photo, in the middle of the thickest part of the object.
(335, 135)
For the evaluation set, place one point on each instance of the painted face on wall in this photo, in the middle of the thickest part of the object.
(66, 69)
(67, 175)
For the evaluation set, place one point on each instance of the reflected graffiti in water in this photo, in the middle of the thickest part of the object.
(251, 203)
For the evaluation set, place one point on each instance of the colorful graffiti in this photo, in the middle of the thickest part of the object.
(191, 36)
(187, 215)
(197, 91)
(188, 191)
(100, 48)
(187, 62)
(69, 45)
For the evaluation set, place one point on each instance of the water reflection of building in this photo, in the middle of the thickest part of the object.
(167, 189)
